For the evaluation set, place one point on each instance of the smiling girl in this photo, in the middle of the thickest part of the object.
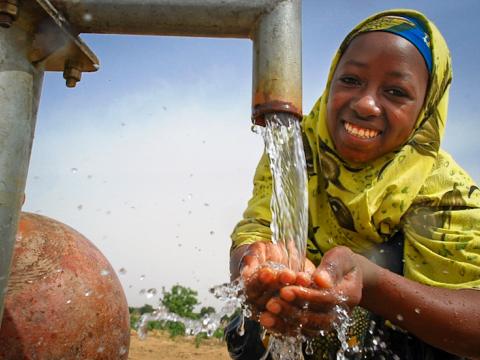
(394, 222)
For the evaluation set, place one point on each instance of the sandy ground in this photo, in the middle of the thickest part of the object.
(160, 346)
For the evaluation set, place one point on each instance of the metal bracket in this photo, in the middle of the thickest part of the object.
(57, 47)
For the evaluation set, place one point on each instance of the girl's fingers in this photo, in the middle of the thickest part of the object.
(315, 299)
(283, 309)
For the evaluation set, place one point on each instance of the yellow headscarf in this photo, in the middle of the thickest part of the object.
(418, 189)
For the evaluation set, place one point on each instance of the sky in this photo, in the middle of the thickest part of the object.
(152, 157)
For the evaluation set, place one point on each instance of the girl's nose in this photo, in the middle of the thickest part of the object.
(366, 106)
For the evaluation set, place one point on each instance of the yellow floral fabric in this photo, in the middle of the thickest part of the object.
(417, 189)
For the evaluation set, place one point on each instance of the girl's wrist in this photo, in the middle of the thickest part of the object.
(371, 273)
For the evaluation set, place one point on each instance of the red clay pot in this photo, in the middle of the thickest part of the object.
(64, 300)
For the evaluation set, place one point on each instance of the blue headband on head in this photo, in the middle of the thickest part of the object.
(413, 30)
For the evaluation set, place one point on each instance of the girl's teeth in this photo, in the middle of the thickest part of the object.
(360, 132)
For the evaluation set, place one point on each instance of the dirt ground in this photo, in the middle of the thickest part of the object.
(159, 345)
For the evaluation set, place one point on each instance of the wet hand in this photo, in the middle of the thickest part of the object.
(264, 269)
(338, 280)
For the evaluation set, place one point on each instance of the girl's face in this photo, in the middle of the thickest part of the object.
(376, 95)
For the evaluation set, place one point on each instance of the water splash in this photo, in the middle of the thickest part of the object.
(341, 325)
(230, 294)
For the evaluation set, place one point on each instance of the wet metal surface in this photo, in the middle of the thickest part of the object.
(64, 300)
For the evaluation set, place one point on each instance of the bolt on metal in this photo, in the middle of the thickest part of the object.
(8, 12)
(72, 74)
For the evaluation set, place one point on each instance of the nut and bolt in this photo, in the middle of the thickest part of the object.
(8, 12)
(72, 74)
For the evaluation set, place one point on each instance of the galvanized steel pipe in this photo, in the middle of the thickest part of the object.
(20, 87)
(273, 25)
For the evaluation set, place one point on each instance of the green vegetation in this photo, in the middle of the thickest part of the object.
(180, 300)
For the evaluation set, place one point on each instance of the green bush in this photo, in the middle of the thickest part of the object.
(180, 300)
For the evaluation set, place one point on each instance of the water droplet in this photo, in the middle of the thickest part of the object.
(189, 196)
(88, 292)
(74, 170)
(151, 293)
(122, 271)
(69, 301)
(445, 272)
(212, 232)
(400, 317)
(87, 17)
(104, 272)
(417, 310)
(241, 328)
(179, 245)
(142, 277)
(122, 124)
(164, 108)
(256, 129)
(206, 204)
(309, 347)
(80, 207)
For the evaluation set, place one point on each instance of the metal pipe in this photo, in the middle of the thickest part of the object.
(210, 18)
(277, 62)
(273, 25)
(20, 87)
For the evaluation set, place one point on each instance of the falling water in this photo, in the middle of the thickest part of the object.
(289, 203)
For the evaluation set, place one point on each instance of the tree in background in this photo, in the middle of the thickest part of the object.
(181, 300)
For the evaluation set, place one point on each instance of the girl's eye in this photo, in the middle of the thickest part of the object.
(397, 92)
(349, 80)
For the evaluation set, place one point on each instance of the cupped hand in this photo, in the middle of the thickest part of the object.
(264, 268)
(310, 309)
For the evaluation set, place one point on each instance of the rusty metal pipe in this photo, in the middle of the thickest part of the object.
(20, 87)
(273, 25)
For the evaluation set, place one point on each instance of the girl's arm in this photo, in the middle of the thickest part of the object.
(444, 318)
